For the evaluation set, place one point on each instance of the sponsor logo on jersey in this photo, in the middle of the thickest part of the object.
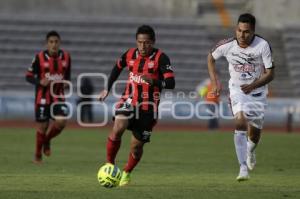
(244, 68)
(54, 77)
(136, 78)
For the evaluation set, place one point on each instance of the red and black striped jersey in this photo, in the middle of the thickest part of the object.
(156, 66)
(54, 69)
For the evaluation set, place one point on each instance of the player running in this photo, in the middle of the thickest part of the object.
(149, 71)
(48, 69)
(251, 68)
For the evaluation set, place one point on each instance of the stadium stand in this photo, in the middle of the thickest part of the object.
(291, 40)
(96, 44)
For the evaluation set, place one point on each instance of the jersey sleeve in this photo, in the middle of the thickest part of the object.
(117, 69)
(166, 71)
(221, 48)
(267, 56)
(122, 62)
(33, 71)
(165, 66)
(67, 75)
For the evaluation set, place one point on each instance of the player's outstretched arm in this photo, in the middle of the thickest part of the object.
(116, 71)
(212, 74)
(33, 71)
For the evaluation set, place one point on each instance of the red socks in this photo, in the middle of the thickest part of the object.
(43, 140)
(40, 137)
(131, 163)
(112, 148)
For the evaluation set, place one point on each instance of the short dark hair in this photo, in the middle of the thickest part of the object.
(52, 33)
(146, 29)
(247, 18)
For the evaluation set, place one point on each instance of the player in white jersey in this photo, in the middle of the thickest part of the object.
(251, 68)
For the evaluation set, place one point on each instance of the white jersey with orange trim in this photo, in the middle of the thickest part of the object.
(245, 64)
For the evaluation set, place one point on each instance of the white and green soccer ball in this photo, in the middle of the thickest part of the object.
(109, 175)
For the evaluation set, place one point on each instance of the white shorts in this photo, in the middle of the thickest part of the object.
(252, 105)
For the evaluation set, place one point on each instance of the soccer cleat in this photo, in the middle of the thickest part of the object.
(46, 148)
(243, 175)
(251, 161)
(125, 179)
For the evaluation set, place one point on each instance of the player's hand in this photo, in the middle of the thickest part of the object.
(147, 79)
(45, 82)
(103, 94)
(215, 90)
(247, 88)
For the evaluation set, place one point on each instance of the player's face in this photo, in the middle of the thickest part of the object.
(53, 44)
(244, 34)
(144, 44)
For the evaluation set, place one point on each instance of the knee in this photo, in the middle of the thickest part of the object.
(254, 136)
(42, 129)
(60, 124)
(119, 128)
(117, 133)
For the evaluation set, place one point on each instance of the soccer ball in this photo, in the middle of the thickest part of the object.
(109, 175)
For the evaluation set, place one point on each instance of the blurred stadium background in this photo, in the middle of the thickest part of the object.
(97, 32)
(177, 164)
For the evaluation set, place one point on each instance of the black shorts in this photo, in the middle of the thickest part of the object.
(43, 112)
(141, 123)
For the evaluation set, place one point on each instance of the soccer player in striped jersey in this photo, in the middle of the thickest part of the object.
(50, 66)
(251, 68)
(149, 71)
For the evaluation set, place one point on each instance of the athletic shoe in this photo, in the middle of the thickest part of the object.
(125, 179)
(251, 160)
(243, 175)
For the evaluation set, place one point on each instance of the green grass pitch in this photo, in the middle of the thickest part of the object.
(175, 165)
